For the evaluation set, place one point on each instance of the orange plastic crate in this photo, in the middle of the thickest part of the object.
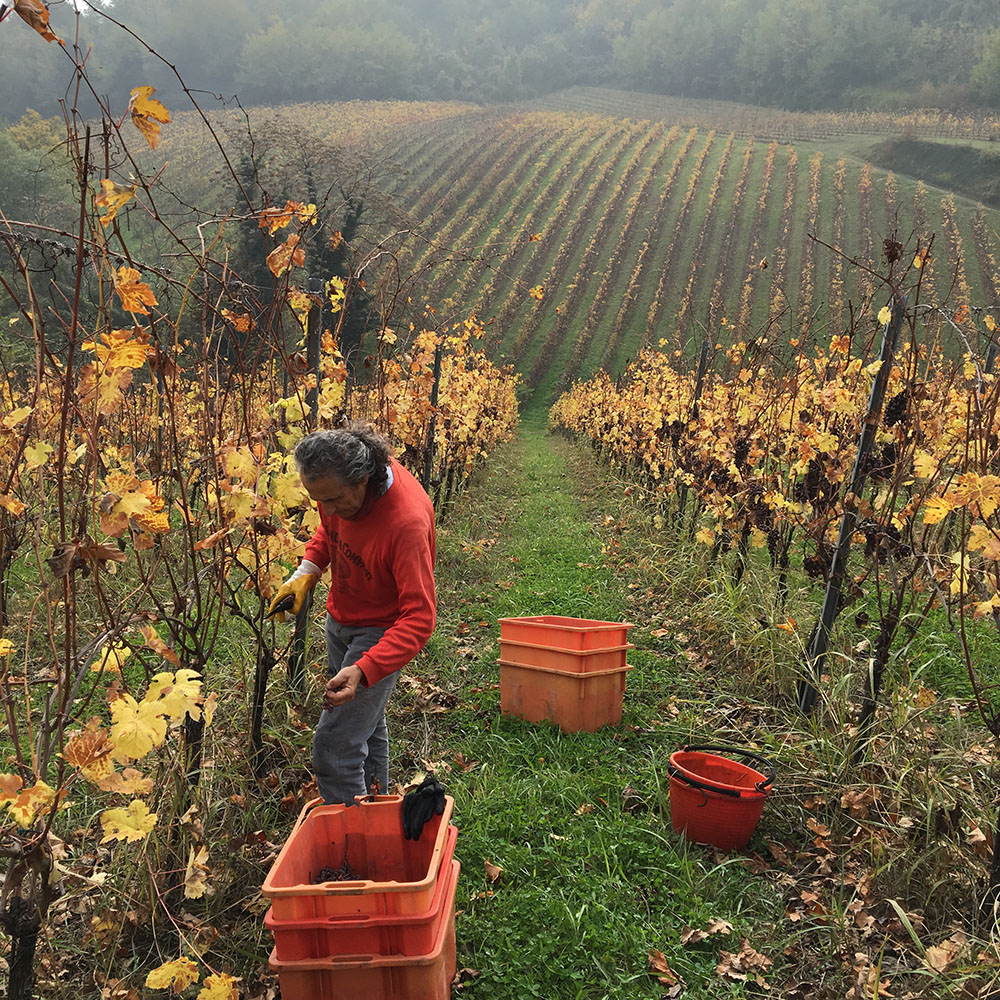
(574, 661)
(564, 633)
(359, 933)
(378, 977)
(574, 702)
(396, 876)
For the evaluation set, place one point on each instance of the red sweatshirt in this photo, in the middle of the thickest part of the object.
(382, 572)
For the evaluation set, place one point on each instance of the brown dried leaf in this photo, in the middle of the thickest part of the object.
(818, 828)
(940, 957)
(979, 841)
(493, 872)
(658, 967)
(857, 802)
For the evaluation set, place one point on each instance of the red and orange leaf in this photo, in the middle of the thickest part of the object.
(90, 753)
(156, 644)
(135, 294)
(35, 14)
(281, 258)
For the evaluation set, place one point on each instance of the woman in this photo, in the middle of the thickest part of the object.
(376, 534)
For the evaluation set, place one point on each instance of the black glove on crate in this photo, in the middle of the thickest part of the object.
(426, 800)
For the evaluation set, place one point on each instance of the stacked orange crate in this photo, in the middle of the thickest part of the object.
(384, 925)
(570, 671)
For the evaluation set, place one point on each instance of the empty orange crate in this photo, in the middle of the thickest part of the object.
(395, 875)
(574, 661)
(379, 977)
(361, 933)
(574, 702)
(564, 633)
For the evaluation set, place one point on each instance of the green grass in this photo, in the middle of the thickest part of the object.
(589, 886)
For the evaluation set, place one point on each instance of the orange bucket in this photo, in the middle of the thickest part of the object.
(715, 800)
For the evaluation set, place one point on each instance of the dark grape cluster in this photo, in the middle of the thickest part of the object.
(341, 874)
(817, 564)
(741, 452)
(881, 540)
(881, 465)
(895, 409)
(815, 486)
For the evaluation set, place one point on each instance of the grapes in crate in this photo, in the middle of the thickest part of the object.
(341, 874)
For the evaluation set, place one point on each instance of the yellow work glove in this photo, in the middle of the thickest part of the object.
(296, 588)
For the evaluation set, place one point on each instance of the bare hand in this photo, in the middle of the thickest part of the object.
(341, 688)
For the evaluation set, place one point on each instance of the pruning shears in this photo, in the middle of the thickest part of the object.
(285, 604)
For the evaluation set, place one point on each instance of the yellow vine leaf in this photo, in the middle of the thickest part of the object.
(30, 803)
(90, 753)
(335, 291)
(991, 323)
(982, 539)
(112, 658)
(11, 504)
(239, 463)
(113, 197)
(924, 464)
(272, 219)
(122, 348)
(131, 824)
(196, 874)
(147, 114)
(937, 509)
(983, 491)
(136, 728)
(175, 695)
(884, 315)
(177, 975)
(16, 416)
(221, 987)
(35, 14)
(127, 499)
(283, 257)
(103, 389)
(6, 647)
(987, 607)
(134, 294)
(129, 782)
(37, 455)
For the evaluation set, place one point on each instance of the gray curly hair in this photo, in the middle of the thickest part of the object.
(347, 454)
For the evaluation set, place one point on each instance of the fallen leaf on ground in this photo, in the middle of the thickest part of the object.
(658, 967)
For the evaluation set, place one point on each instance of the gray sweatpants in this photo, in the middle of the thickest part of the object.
(351, 742)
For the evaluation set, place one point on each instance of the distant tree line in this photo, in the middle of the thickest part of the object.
(789, 53)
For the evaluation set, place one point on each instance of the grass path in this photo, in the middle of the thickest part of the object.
(593, 877)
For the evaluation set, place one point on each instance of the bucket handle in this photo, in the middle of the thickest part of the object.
(768, 767)
(676, 772)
